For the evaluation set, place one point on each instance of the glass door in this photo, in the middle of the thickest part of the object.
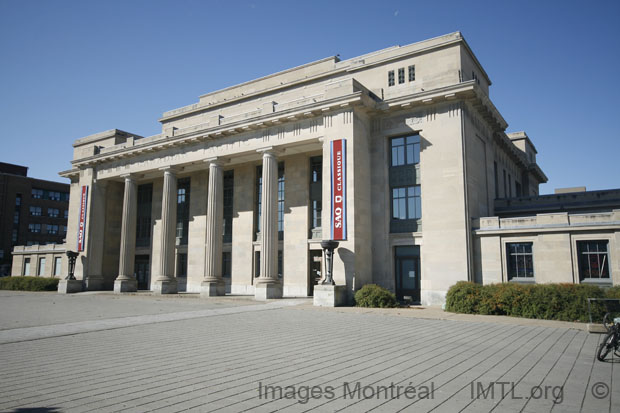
(407, 272)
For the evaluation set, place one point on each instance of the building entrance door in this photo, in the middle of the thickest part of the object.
(315, 273)
(407, 272)
(142, 271)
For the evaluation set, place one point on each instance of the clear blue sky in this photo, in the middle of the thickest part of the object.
(72, 68)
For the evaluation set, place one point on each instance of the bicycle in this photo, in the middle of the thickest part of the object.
(612, 341)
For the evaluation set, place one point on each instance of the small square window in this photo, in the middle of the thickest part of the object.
(519, 260)
(593, 259)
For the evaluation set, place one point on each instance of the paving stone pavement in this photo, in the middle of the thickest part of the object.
(233, 355)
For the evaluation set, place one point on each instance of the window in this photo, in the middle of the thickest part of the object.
(280, 200)
(391, 78)
(41, 268)
(57, 266)
(52, 229)
(37, 193)
(229, 181)
(183, 195)
(53, 195)
(517, 189)
(16, 217)
(182, 266)
(406, 150)
(226, 264)
(406, 203)
(404, 184)
(401, 75)
(143, 218)
(14, 236)
(26, 266)
(66, 213)
(316, 196)
(18, 199)
(35, 211)
(519, 260)
(64, 229)
(1, 254)
(64, 196)
(593, 259)
(280, 264)
(53, 212)
(35, 228)
(411, 73)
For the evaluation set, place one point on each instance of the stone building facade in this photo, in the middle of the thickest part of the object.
(235, 194)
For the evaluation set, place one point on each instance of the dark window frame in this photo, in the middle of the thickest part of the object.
(520, 260)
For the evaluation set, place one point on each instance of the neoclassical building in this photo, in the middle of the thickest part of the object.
(397, 153)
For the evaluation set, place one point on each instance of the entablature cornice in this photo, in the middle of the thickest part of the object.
(191, 135)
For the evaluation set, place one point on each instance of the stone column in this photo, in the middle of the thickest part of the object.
(166, 283)
(213, 284)
(268, 285)
(126, 281)
(96, 224)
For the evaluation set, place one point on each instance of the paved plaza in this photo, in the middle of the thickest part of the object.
(139, 353)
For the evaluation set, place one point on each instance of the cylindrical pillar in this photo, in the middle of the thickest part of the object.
(165, 283)
(126, 282)
(213, 284)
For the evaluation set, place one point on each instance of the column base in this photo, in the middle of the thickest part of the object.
(266, 290)
(212, 288)
(125, 285)
(326, 295)
(165, 285)
(93, 283)
(69, 286)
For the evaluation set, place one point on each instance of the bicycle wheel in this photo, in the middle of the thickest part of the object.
(606, 346)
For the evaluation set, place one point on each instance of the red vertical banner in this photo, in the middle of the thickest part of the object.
(82, 223)
(338, 164)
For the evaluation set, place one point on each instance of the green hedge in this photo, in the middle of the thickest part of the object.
(371, 295)
(565, 302)
(29, 283)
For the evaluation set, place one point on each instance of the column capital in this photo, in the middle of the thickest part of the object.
(270, 150)
(170, 169)
(216, 161)
(129, 177)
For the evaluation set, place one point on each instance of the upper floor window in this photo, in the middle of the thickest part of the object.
(406, 203)
(405, 150)
(53, 212)
(519, 260)
(37, 193)
(35, 211)
(35, 228)
(391, 78)
(52, 229)
(183, 195)
(66, 213)
(16, 217)
(229, 182)
(401, 75)
(411, 73)
(53, 195)
(593, 259)
(18, 199)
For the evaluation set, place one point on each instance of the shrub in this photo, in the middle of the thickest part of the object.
(29, 283)
(565, 302)
(371, 295)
